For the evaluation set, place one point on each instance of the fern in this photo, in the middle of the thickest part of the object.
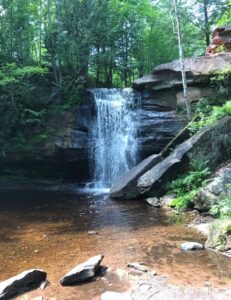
(186, 186)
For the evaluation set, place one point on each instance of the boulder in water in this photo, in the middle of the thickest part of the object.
(191, 246)
(83, 272)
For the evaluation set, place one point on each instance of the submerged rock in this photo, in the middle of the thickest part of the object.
(213, 192)
(191, 246)
(138, 267)
(21, 283)
(83, 272)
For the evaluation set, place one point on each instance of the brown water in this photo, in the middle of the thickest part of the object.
(49, 230)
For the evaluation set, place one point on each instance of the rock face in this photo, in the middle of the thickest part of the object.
(83, 272)
(221, 40)
(21, 283)
(209, 144)
(163, 87)
(219, 237)
(212, 193)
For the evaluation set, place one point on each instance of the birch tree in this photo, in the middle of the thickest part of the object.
(181, 57)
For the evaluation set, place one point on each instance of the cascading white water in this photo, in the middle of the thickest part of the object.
(114, 145)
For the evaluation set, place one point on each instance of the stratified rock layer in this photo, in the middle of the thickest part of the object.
(163, 86)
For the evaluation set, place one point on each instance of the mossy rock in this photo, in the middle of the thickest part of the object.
(219, 235)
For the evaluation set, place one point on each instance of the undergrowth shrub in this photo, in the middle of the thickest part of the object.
(208, 115)
(186, 186)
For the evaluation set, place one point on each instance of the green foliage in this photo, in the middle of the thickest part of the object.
(186, 186)
(222, 82)
(23, 111)
(208, 115)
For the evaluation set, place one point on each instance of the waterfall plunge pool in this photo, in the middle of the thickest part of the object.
(49, 229)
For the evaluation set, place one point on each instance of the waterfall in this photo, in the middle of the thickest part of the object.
(114, 147)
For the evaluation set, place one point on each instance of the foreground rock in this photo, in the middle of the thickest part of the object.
(212, 193)
(126, 187)
(219, 237)
(83, 272)
(191, 246)
(21, 283)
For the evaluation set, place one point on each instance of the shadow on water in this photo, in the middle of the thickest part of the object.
(49, 229)
(83, 211)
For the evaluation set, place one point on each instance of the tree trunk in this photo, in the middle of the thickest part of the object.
(181, 56)
(207, 32)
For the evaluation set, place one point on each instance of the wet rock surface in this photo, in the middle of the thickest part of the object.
(83, 272)
(21, 283)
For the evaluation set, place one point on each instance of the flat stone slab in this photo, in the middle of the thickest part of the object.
(191, 246)
(83, 272)
(21, 283)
